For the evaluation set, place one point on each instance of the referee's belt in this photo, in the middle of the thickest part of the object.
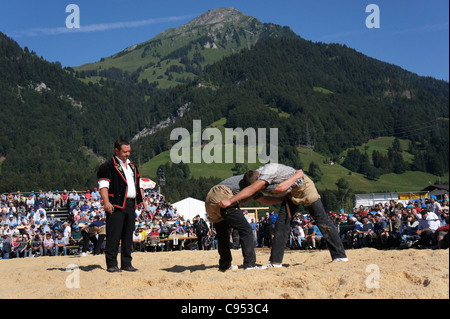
(131, 199)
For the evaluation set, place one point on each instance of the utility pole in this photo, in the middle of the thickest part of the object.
(308, 141)
(437, 126)
(161, 177)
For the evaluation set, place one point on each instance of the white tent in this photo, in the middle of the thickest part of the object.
(190, 207)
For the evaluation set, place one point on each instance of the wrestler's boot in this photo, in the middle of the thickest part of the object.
(328, 231)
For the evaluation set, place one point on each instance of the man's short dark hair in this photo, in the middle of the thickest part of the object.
(119, 142)
(249, 178)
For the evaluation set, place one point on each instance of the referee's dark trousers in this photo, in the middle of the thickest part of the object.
(119, 232)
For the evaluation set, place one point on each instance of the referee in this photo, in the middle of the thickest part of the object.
(118, 181)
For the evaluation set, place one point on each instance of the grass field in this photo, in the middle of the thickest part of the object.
(382, 144)
(408, 181)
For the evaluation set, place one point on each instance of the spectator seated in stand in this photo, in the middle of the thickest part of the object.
(365, 235)
(313, 236)
(137, 241)
(49, 245)
(409, 231)
(441, 237)
(76, 238)
(60, 245)
(428, 224)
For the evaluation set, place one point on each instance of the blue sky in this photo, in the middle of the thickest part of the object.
(413, 34)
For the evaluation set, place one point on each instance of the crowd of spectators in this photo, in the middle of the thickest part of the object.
(421, 223)
(29, 228)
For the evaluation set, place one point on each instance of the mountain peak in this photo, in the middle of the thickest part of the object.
(215, 16)
(178, 55)
(215, 19)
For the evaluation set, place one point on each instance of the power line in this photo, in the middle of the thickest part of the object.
(308, 140)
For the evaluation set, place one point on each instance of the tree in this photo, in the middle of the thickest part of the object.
(352, 160)
(399, 165)
(345, 194)
(396, 145)
(315, 172)
(342, 183)
(372, 172)
(240, 168)
(329, 200)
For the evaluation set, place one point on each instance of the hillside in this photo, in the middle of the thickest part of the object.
(282, 77)
(54, 128)
(179, 55)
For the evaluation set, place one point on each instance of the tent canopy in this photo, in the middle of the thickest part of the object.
(191, 207)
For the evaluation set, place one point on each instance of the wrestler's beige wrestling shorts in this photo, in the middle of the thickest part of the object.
(215, 195)
(305, 194)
